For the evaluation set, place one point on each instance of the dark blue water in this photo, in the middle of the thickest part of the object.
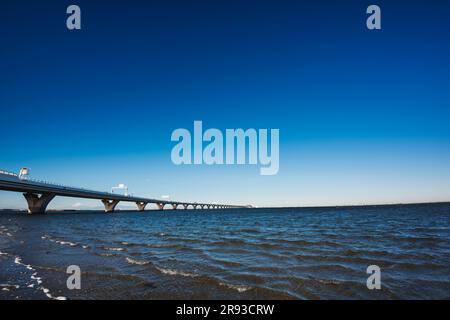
(320, 253)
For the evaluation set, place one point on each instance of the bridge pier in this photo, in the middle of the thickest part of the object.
(141, 205)
(36, 203)
(174, 206)
(160, 206)
(110, 205)
(185, 206)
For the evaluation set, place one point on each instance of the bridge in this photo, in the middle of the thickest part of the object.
(38, 195)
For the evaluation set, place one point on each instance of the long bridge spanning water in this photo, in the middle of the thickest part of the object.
(38, 195)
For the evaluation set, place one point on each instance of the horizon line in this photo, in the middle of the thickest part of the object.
(265, 207)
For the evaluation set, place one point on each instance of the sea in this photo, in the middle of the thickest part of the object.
(238, 254)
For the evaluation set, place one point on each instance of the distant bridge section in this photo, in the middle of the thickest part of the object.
(38, 195)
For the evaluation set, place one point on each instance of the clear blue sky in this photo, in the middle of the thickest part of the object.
(363, 115)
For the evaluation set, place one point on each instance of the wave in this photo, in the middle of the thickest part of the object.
(225, 262)
(152, 245)
(244, 230)
(34, 277)
(5, 231)
(9, 287)
(137, 262)
(173, 272)
(113, 249)
(106, 254)
(238, 288)
(63, 242)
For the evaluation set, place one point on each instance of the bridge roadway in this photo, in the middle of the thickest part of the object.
(38, 195)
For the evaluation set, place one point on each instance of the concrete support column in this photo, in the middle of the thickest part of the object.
(174, 206)
(36, 203)
(141, 205)
(110, 205)
(160, 206)
(185, 206)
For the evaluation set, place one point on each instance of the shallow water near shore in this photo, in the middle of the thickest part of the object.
(289, 253)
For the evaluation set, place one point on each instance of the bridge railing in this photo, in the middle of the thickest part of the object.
(12, 174)
(66, 186)
(9, 173)
(59, 185)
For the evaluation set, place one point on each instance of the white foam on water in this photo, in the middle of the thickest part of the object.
(113, 249)
(137, 262)
(8, 287)
(173, 272)
(63, 243)
(5, 231)
(238, 288)
(37, 279)
(67, 243)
